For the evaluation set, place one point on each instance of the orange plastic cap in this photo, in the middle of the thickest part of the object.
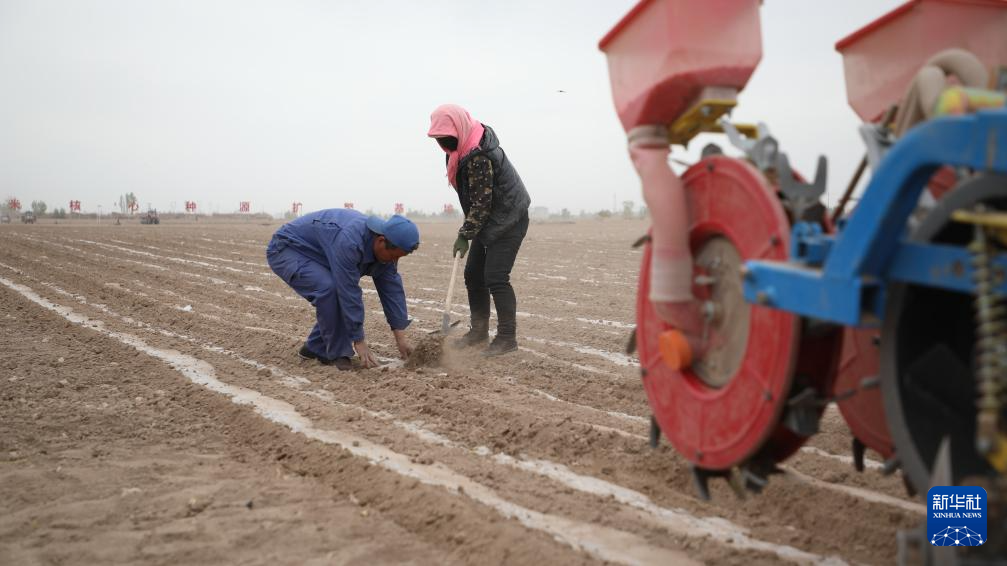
(675, 349)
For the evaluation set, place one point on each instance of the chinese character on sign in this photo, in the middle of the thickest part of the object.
(973, 503)
(190, 206)
(959, 502)
(75, 206)
(400, 208)
(14, 204)
(347, 205)
(449, 209)
(296, 208)
(245, 206)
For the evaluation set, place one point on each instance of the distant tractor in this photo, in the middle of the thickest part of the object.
(28, 217)
(4, 219)
(150, 218)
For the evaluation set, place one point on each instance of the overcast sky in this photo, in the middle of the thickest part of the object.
(329, 101)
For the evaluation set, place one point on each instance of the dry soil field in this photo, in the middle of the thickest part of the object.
(153, 410)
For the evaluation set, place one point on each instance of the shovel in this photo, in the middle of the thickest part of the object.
(446, 319)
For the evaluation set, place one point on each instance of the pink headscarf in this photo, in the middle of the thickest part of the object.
(453, 120)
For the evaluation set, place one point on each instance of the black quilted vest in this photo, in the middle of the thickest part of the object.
(510, 199)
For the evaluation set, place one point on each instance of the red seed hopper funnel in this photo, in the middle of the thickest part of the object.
(664, 52)
(880, 59)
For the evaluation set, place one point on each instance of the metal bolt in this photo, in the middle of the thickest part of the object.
(705, 280)
(710, 310)
(984, 445)
(958, 269)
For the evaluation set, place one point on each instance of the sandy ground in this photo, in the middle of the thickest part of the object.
(154, 410)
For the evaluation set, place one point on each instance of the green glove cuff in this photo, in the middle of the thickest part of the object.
(461, 247)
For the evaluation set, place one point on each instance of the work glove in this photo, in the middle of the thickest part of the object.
(461, 247)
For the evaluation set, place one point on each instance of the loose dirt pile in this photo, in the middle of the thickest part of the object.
(428, 353)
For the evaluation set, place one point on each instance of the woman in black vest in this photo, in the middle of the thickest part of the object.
(495, 204)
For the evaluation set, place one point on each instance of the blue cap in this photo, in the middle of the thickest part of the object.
(398, 230)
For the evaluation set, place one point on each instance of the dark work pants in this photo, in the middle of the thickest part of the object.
(487, 272)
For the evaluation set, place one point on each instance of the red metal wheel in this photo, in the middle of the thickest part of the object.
(858, 391)
(720, 417)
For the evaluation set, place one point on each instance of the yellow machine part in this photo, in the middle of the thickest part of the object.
(998, 456)
(959, 100)
(704, 116)
(995, 223)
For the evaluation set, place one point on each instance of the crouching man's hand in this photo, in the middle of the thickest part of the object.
(367, 357)
(405, 348)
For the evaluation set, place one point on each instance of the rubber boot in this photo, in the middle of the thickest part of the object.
(478, 334)
(506, 338)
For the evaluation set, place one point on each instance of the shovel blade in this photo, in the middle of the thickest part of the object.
(442, 330)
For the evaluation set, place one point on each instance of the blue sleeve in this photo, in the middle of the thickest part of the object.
(344, 258)
(393, 297)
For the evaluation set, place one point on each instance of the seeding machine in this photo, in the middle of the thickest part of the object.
(895, 310)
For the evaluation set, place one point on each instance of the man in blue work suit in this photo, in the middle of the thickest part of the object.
(322, 255)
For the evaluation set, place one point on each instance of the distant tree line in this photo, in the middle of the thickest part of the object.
(127, 202)
(39, 208)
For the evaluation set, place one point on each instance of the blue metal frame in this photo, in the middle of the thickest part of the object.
(842, 279)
